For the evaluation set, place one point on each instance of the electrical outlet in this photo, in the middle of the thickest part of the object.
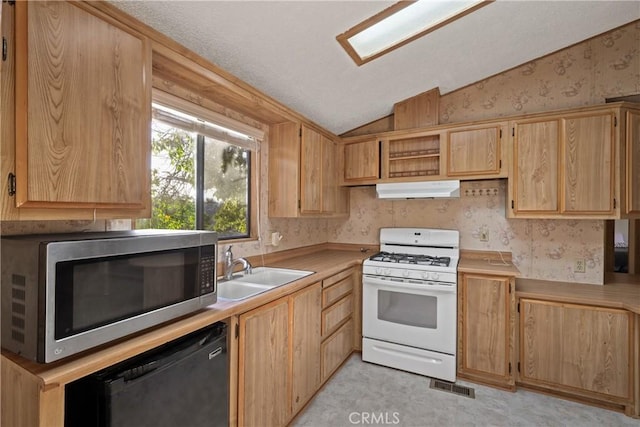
(579, 266)
(484, 235)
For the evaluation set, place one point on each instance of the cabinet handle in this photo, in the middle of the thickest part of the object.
(4, 49)
(11, 184)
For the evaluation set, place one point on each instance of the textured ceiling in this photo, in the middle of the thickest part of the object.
(288, 50)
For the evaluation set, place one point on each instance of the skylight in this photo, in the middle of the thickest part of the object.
(400, 24)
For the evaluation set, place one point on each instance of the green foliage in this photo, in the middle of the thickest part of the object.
(231, 217)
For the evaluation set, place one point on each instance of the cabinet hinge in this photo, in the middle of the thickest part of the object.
(11, 184)
(518, 307)
(500, 164)
(500, 133)
(615, 121)
(518, 366)
(299, 204)
(614, 203)
(513, 131)
(509, 367)
(513, 205)
(300, 132)
(4, 49)
(236, 327)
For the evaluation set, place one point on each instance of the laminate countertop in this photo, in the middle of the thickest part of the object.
(615, 295)
(325, 261)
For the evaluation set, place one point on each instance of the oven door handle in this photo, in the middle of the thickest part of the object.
(400, 284)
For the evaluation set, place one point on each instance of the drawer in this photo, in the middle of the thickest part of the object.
(336, 349)
(336, 291)
(337, 277)
(336, 314)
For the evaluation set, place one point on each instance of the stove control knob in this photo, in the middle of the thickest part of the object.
(387, 271)
(378, 271)
(405, 273)
(425, 275)
(435, 276)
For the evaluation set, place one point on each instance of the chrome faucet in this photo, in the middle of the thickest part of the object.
(229, 263)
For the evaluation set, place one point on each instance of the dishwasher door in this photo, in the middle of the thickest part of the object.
(183, 383)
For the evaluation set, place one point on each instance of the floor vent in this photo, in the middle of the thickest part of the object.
(453, 388)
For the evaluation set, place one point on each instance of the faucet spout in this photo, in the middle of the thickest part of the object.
(230, 263)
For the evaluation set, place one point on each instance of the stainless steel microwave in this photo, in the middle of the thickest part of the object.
(66, 293)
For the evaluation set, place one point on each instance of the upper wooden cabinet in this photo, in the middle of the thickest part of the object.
(413, 156)
(361, 162)
(83, 104)
(572, 164)
(477, 151)
(632, 170)
(303, 170)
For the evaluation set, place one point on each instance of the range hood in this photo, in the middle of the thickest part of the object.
(419, 190)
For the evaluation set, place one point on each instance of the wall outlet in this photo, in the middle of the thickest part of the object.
(484, 235)
(579, 266)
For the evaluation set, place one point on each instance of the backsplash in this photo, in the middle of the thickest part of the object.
(541, 249)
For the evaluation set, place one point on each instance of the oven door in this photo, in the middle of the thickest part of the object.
(419, 315)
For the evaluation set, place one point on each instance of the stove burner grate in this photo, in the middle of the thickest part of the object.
(411, 259)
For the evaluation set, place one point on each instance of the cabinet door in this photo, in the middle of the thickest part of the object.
(311, 171)
(588, 157)
(82, 109)
(535, 166)
(633, 163)
(329, 176)
(576, 348)
(361, 161)
(263, 380)
(305, 379)
(474, 151)
(486, 328)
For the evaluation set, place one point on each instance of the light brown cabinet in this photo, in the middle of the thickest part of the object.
(582, 350)
(572, 164)
(263, 376)
(361, 162)
(303, 170)
(486, 325)
(477, 151)
(338, 306)
(632, 170)
(413, 156)
(90, 145)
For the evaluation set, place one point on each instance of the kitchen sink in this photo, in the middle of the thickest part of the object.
(261, 280)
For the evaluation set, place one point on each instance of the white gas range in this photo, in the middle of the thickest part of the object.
(409, 310)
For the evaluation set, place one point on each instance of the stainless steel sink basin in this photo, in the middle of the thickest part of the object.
(261, 280)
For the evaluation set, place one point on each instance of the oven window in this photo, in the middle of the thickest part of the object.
(408, 309)
(96, 292)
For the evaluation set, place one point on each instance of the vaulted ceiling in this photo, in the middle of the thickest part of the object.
(288, 49)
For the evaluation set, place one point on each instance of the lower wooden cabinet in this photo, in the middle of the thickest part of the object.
(579, 349)
(486, 307)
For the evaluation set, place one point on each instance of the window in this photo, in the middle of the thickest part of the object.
(201, 173)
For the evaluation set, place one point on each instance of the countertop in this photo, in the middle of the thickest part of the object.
(615, 295)
(481, 262)
(324, 260)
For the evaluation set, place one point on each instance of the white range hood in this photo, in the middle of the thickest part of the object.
(419, 190)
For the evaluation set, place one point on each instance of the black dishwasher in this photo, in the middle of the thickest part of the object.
(182, 383)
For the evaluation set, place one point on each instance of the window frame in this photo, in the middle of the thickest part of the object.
(180, 104)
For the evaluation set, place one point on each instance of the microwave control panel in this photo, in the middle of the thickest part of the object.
(207, 270)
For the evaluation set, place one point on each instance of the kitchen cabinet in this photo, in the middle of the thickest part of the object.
(477, 151)
(486, 325)
(415, 156)
(572, 165)
(361, 162)
(632, 170)
(272, 338)
(578, 349)
(305, 378)
(263, 377)
(90, 146)
(303, 178)
(337, 321)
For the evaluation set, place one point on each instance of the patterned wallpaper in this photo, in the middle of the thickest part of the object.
(587, 73)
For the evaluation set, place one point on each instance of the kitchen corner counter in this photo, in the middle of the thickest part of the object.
(492, 263)
(614, 295)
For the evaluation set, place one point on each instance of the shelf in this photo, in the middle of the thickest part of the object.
(429, 172)
(416, 154)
